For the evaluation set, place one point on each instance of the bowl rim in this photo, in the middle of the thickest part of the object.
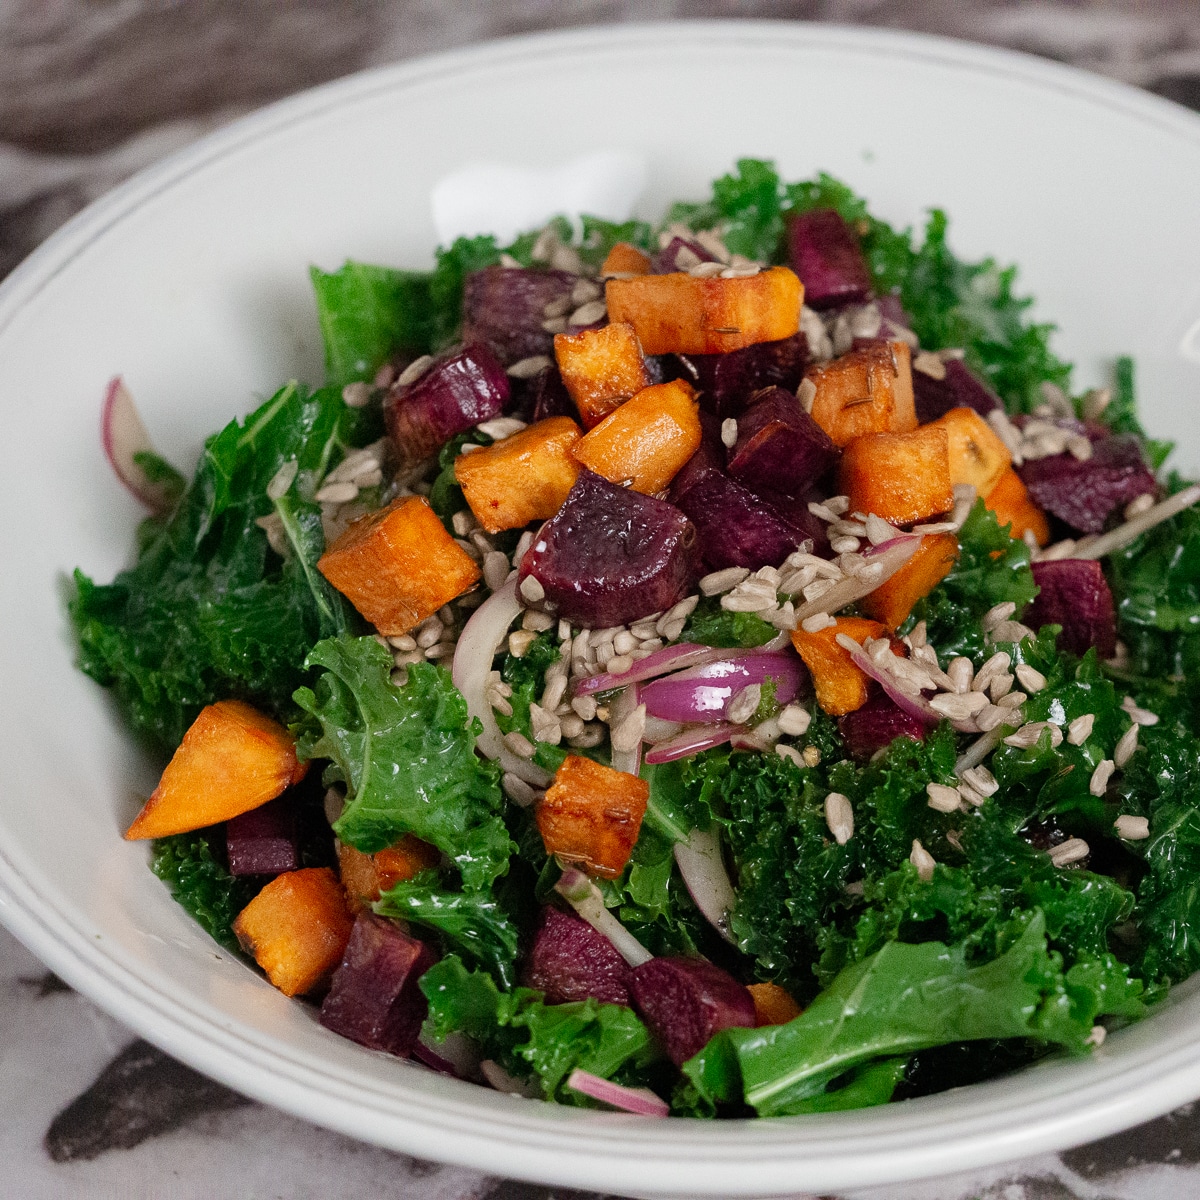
(547, 1143)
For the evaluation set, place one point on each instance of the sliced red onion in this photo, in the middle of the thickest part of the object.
(692, 741)
(123, 435)
(457, 1055)
(916, 706)
(498, 1078)
(889, 557)
(661, 662)
(703, 693)
(641, 1101)
(703, 871)
(585, 898)
(622, 706)
(1117, 538)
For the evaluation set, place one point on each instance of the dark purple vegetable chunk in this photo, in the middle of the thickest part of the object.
(877, 724)
(779, 446)
(569, 960)
(458, 391)
(826, 255)
(547, 396)
(727, 381)
(611, 555)
(1075, 595)
(505, 307)
(960, 389)
(708, 459)
(793, 511)
(736, 528)
(1084, 494)
(684, 1001)
(374, 998)
(664, 262)
(264, 841)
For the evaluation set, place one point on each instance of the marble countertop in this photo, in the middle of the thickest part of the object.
(91, 92)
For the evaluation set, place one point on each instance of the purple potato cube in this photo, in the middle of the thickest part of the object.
(1084, 494)
(547, 396)
(374, 998)
(826, 255)
(779, 446)
(684, 1001)
(960, 389)
(727, 381)
(611, 555)
(708, 459)
(664, 262)
(264, 841)
(505, 308)
(877, 724)
(569, 960)
(1075, 595)
(459, 390)
(736, 528)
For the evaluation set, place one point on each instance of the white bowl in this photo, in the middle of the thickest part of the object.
(191, 281)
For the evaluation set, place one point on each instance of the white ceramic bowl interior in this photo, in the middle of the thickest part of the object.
(191, 281)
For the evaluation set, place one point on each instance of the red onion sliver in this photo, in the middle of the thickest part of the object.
(704, 693)
(586, 899)
(707, 881)
(641, 1101)
(854, 587)
(625, 705)
(123, 435)
(669, 658)
(498, 1078)
(692, 741)
(916, 706)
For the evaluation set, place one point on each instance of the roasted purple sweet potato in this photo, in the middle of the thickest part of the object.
(877, 724)
(959, 389)
(611, 555)
(458, 391)
(726, 382)
(736, 528)
(569, 960)
(1075, 595)
(825, 253)
(264, 841)
(505, 307)
(708, 459)
(374, 998)
(793, 511)
(684, 1001)
(666, 260)
(548, 397)
(1084, 494)
(779, 446)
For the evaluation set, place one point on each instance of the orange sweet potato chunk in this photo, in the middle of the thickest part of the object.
(772, 1005)
(601, 368)
(231, 760)
(523, 478)
(398, 566)
(366, 876)
(977, 455)
(591, 815)
(868, 390)
(296, 929)
(647, 440)
(682, 314)
(892, 600)
(901, 477)
(625, 259)
(840, 685)
(1010, 501)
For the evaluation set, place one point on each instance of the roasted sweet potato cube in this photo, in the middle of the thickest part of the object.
(1010, 501)
(682, 314)
(523, 478)
(840, 685)
(602, 368)
(367, 876)
(625, 259)
(977, 455)
(869, 390)
(772, 1005)
(398, 566)
(647, 440)
(297, 928)
(901, 477)
(892, 600)
(232, 759)
(591, 815)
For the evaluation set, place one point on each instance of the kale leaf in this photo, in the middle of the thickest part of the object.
(202, 884)
(407, 758)
(711, 625)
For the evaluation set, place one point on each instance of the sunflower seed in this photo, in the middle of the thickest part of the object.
(517, 790)
(970, 795)
(536, 621)
(1131, 828)
(942, 798)
(1098, 783)
(519, 744)
(589, 313)
(1080, 729)
(806, 393)
(532, 590)
(1031, 679)
(790, 753)
(1139, 716)
(744, 705)
(527, 368)
(282, 480)
(922, 860)
(996, 614)
(500, 428)
(1073, 850)
(729, 432)
(794, 720)
(982, 780)
(1126, 746)
(839, 814)
(929, 364)
(356, 395)
(962, 673)
(519, 642)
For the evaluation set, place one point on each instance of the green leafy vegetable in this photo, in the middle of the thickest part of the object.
(185, 863)
(711, 625)
(446, 285)
(407, 758)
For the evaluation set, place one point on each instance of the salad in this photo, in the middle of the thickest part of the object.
(712, 669)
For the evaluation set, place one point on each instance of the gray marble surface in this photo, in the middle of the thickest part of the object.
(91, 91)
